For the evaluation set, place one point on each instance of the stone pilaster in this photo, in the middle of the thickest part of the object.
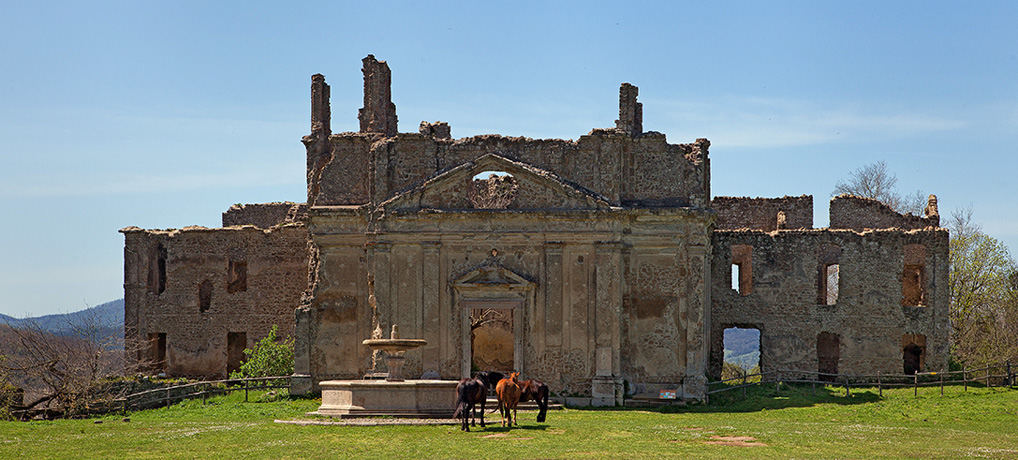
(606, 389)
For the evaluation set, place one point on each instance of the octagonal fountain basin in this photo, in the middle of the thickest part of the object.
(373, 398)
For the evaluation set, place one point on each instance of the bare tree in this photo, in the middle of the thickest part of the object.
(495, 192)
(877, 182)
(64, 374)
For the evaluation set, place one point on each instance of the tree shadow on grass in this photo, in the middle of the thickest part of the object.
(765, 397)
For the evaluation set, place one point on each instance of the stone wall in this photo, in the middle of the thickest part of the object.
(868, 316)
(264, 215)
(198, 285)
(858, 213)
(594, 296)
(763, 213)
(624, 164)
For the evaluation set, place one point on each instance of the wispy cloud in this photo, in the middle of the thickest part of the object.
(760, 122)
(127, 182)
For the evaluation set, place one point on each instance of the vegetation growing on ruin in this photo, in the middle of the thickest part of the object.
(271, 356)
(789, 424)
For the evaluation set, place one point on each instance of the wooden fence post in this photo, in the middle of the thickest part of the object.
(744, 383)
(986, 380)
(1010, 377)
(964, 378)
(915, 378)
(848, 390)
(880, 389)
(168, 397)
(245, 390)
(941, 384)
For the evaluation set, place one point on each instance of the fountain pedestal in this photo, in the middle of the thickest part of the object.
(393, 396)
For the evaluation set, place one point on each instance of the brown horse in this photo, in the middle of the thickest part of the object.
(508, 391)
(471, 392)
(537, 391)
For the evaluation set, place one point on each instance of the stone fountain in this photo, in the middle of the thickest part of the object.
(393, 396)
(394, 348)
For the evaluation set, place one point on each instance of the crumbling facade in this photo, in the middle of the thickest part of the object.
(195, 298)
(598, 265)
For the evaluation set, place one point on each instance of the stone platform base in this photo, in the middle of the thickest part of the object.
(373, 398)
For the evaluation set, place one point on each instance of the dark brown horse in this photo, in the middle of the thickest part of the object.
(537, 391)
(471, 392)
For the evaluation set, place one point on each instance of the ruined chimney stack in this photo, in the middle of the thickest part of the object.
(379, 113)
(321, 114)
(630, 111)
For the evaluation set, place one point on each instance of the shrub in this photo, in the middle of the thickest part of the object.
(270, 357)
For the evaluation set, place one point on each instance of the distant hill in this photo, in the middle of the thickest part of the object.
(109, 317)
(742, 347)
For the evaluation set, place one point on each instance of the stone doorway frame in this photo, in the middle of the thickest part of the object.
(492, 286)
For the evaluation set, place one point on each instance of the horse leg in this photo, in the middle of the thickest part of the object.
(483, 398)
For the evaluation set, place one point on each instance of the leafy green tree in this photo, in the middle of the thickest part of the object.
(984, 296)
(270, 357)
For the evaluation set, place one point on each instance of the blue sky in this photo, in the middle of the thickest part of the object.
(163, 114)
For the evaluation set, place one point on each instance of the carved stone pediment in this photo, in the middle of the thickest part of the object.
(537, 189)
(492, 276)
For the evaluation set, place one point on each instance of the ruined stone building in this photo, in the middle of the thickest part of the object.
(600, 265)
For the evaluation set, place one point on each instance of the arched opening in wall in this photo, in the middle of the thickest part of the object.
(491, 340)
(742, 352)
(236, 342)
(157, 351)
(742, 268)
(156, 269)
(493, 190)
(913, 276)
(204, 296)
(913, 351)
(828, 355)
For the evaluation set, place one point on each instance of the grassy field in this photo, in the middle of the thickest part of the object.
(980, 423)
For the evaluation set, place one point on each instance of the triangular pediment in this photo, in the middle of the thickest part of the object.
(493, 274)
(537, 189)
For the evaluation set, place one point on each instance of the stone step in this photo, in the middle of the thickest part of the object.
(492, 403)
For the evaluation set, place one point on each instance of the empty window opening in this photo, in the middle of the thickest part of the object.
(913, 351)
(156, 269)
(828, 274)
(236, 342)
(831, 284)
(204, 296)
(828, 355)
(913, 276)
(236, 276)
(742, 268)
(157, 351)
(491, 339)
(493, 190)
(742, 352)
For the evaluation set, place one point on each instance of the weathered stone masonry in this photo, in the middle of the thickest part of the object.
(189, 292)
(608, 266)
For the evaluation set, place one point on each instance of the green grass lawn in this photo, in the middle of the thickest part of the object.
(980, 423)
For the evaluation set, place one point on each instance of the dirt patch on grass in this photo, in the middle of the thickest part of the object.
(736, 441)
(503, 435)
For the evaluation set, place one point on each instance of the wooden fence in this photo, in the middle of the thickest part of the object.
(995, 375)
(170, 395)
